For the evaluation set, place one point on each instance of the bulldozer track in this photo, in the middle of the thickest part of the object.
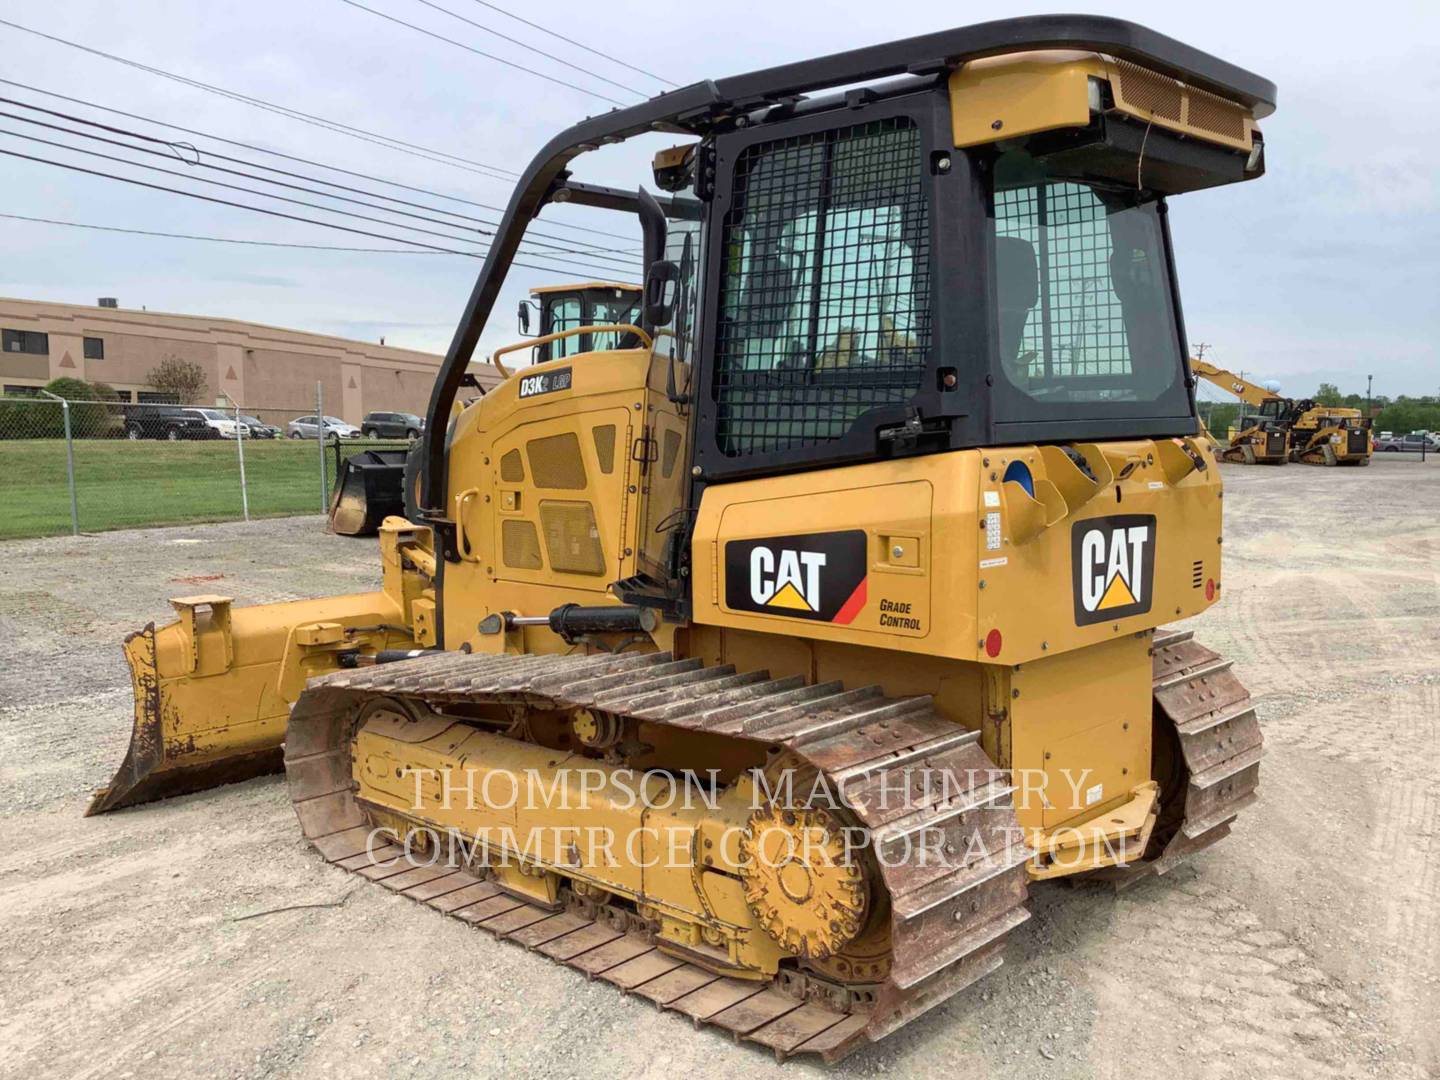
(949, 918)
(1213, 722)
(948, 923)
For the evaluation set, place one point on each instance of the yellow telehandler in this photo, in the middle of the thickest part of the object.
(758, 656)
(1261, 437)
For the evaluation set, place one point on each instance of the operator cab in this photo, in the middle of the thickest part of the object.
(971, 249)
(592, 303)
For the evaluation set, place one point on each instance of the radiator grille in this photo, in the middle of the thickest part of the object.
(605, 447)
(572, 540)
(669, 453)
(1214, 114)
(1147, 92)
(555, 462)
(1152, 96)
(519, 545)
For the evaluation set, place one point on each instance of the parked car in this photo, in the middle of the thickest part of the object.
(166, 422)
(392, 425)
(259, 429)
(223, 424)
(1412, 443)
(305, 427)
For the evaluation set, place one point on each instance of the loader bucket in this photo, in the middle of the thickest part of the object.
(369, 487)
(213, 690)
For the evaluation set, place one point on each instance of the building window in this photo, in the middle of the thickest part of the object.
(155, 397)
(12, 390)
(25, 341)
(94, 348)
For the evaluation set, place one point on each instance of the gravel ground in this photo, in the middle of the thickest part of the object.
(1306, 945)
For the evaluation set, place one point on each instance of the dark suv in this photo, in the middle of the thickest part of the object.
(391, 425)
(166, 422)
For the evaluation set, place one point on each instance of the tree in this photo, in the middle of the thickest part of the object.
(1218, 417)
(1329, 394)
(44, 418)
(1408, 415)
(181, 380)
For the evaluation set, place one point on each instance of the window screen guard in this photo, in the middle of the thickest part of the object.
(1086, 316)
(824, 285)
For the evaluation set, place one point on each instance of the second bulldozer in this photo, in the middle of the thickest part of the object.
(760, 654)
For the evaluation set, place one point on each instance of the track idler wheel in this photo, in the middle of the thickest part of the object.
(803, 882)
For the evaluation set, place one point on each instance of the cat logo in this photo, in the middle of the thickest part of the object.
(794, 583)
(1113, 562)
(818, 576)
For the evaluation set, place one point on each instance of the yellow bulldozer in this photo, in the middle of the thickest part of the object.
(757, 654)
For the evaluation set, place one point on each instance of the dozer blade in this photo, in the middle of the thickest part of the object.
(213, 689)
(369, 488)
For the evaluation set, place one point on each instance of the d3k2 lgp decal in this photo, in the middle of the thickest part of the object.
(545, 382)
(1113, 566)
(818, 576)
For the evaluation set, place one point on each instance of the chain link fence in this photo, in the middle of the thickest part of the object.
(89, 466)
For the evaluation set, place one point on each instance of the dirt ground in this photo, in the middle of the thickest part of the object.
(1306, 945)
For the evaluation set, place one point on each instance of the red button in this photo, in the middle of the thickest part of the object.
(993, 642)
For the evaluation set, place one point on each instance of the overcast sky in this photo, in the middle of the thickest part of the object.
(1326, 269)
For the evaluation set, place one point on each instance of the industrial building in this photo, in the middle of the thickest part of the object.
(271, 372)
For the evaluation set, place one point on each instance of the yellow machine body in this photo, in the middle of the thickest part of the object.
(1331, 435)
(986, 612)
(213, 689)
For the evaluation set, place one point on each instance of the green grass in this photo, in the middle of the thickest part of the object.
(123, 485)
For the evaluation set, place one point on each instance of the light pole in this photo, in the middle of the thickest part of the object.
(1368, 380)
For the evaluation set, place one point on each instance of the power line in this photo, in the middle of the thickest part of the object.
(336, 126)
(271, 213)
(486, 55)
(531, 48)
(236, 187)
(223, 239)
(601, 256)
(284, 156)
(577, 44)
(218, 168)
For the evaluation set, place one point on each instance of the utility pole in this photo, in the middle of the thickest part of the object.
(1200, 348)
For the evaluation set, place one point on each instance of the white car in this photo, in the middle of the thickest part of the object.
(305, 427)
(223, 425)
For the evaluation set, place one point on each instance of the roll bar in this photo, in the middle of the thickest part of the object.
(698, 108)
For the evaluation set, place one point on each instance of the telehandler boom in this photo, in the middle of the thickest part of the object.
(760, 655)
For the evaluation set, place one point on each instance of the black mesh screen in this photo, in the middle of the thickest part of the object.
(1080, 330)
(825, 285)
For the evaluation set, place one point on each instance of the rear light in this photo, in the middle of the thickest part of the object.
(1210, 590)
(993, 642)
